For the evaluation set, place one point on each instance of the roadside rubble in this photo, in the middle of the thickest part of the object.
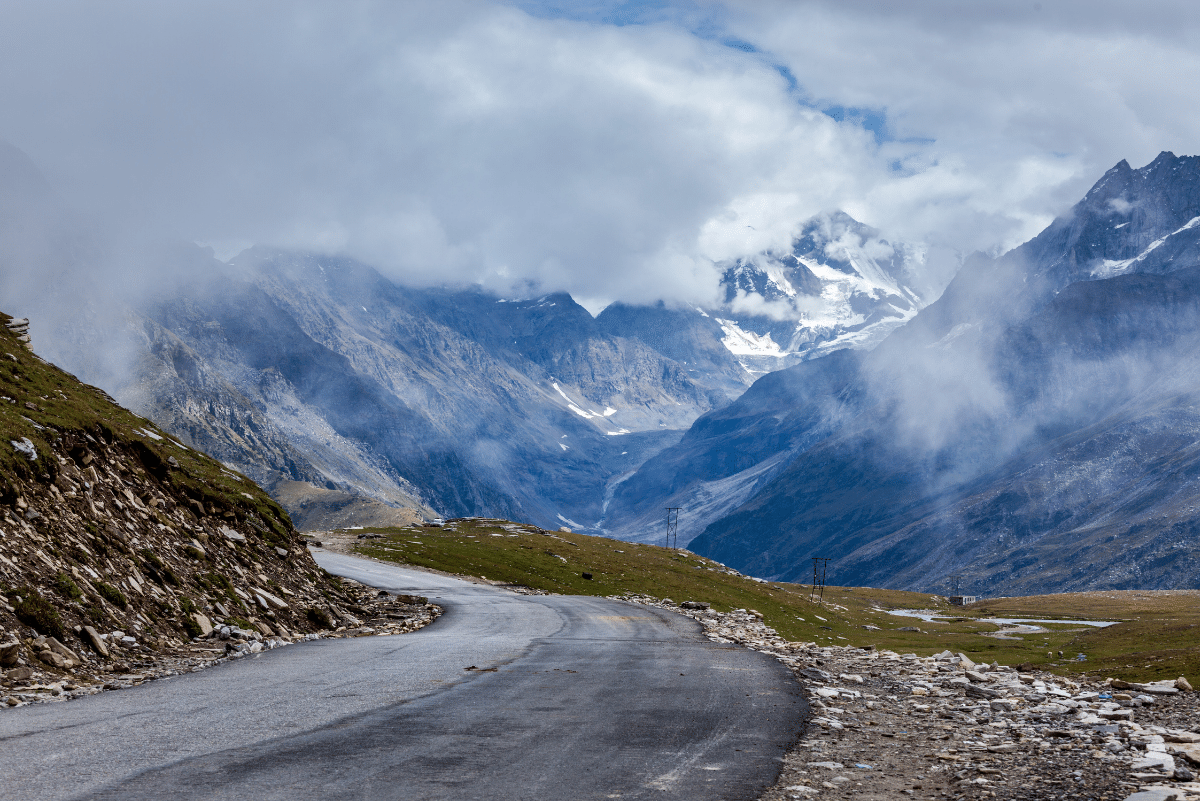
(896, 726)
(128, 663)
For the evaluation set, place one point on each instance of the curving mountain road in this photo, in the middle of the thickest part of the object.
(572, 698)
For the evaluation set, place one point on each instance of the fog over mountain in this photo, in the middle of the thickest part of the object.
(1032, 430)
(524, 258)
(315, 373)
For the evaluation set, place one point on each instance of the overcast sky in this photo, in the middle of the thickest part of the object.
(613, 150)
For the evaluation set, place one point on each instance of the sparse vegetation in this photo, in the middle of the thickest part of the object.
(111, 594)
(67, 587)
(319, 618)
(35, 612)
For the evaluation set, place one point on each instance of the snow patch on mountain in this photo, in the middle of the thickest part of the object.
(1109, 267)
(748, 343)
(842, 285)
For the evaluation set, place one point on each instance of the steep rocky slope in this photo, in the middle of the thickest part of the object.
(1031, 430)
(119, 545)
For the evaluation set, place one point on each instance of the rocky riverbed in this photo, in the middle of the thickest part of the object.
(895, 726)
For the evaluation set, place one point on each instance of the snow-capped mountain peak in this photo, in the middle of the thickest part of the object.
(840, 285)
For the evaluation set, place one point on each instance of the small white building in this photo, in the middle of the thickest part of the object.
(963, 600)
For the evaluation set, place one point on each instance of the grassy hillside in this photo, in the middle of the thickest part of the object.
(1152, 644)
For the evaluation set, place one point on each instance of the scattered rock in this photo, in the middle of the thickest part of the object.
(203, 623)
(1156, 794)
(94, 640)
(932, 731)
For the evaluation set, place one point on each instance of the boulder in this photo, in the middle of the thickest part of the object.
(1158, 687)
(63, 651)
(54, 653)
(92, 638)
(10, 652)
(1182, 684)
(1156, 794)
(203, 622)
(975, 691)
(231, 535)
(1156, 760)
(271, 600)
(52, 659)
(1189, 751)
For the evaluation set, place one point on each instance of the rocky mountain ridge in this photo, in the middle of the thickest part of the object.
(1031, 430)
(316, 375)
(842, 285)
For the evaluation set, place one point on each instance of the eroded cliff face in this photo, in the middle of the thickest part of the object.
(119, 545)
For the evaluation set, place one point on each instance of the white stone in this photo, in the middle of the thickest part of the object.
(1154, 759)
(1156, 794)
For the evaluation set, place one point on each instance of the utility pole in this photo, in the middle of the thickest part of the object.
(956, 584)
(673, 524)
(820, 565)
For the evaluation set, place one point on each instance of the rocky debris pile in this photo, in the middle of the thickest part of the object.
(80, 674)
(381, 613)
(122, 550)
(893, 726)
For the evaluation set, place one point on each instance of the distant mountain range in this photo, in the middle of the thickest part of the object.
(311, 371)
(1035, 429)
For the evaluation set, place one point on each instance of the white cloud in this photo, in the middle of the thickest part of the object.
(479, 143)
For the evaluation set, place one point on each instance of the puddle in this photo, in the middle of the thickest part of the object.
(928, 616)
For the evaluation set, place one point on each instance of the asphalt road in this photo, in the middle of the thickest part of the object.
(571, 698)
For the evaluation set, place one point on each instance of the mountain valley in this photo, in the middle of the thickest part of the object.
(1027, 429)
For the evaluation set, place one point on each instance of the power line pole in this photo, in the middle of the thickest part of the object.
(673, 524)
(820, 565)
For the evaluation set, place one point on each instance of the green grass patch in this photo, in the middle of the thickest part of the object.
(67, 587)
(35, 612)
(111, 594)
